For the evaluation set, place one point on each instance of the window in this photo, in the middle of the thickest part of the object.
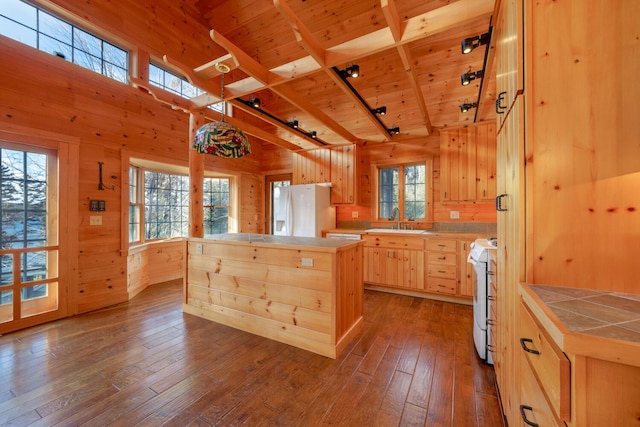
(405, 188)
(161, 191)
(166, 205)
(173, 83)
(37, 28)
(216, 205)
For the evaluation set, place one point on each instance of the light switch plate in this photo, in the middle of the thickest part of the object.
(95, 220)
(354, 214)
(307, 262)
(454, 214)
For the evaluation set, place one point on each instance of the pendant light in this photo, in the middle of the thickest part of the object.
(220, 138)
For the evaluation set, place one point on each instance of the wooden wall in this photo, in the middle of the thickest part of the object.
(469, 212)
(44, 94)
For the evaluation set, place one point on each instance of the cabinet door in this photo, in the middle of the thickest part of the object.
(509, 56)
(486, 162)
(344, 162)
(510, 256)
(467, 274)
(412, 268)
(311, 167)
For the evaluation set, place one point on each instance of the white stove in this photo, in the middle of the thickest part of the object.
(479, 257)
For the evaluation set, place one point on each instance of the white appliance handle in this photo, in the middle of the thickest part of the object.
(288, 213)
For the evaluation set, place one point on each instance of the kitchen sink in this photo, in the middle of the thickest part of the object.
(394, 231)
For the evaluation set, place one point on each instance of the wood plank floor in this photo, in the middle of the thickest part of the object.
(145, 363)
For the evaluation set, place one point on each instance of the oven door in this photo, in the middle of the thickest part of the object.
(480, 306)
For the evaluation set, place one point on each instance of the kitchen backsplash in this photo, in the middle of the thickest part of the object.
(455, 227)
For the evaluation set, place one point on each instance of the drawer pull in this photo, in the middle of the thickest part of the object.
(441, 271)
(524, 416)
(523, 343)
(442, 258)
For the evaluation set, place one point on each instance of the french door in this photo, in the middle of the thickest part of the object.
(29, 253)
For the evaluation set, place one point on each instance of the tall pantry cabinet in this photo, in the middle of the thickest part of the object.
(568, 173)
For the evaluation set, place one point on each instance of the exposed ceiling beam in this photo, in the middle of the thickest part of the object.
(252, 130)
(397, 28)
(309, 42)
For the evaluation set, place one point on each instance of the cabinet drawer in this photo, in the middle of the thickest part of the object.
(443, 286)
(549, 363)
(533, 405)
(442, 270)
(401, 242)
(441, 245)
(441, 258)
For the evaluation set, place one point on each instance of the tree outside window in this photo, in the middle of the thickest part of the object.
(403, 187)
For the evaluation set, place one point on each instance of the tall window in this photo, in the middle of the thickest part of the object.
(166, 203)
(216, 205)
(37, 28)
(403, 187)
(28, 262)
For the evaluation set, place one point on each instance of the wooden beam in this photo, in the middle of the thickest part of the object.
(266, 118)
(252, 130)
(174, 101)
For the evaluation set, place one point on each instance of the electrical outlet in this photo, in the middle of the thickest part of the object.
(354, 214)
(454, 214)
(95, 220)
(199, 248)
(307, 262)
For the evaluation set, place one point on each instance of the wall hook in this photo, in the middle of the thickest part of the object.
(101, 185)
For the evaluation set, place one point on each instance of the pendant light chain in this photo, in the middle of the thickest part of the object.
(224, 105)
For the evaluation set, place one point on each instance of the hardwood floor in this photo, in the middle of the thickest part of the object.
(145, 363)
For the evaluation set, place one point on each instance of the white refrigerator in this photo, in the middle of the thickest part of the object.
(302, 210)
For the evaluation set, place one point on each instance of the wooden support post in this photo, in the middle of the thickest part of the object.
(196, 176)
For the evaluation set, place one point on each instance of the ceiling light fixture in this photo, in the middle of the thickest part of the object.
(394, 131)
(352, 71)
(466, 106)
(294, 124)
(466, 78)
(220, 138)
(381, 111)
(255, 102)
(312, 134)
(471, 43)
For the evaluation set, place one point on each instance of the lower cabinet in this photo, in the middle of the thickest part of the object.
(418, 263)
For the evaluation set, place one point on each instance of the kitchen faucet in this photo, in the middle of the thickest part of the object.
(395, 211)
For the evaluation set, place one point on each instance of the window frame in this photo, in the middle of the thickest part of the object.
(427, 221)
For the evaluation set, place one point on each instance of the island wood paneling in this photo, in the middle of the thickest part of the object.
(265, 289)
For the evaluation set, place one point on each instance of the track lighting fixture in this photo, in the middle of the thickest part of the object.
(294, 124)
(466, 106)
(394, 131)
(255, 102)
(312, 134)
(352, 71)
(471, 43)
(466, 78)
(380, 111)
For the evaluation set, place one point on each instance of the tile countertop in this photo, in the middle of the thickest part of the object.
(589, 322)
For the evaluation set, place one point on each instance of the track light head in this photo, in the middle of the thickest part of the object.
(470, 43)
(466, 78)
(352, 71)
(380, 111)
(255, 102)
(394, 130)
(294, 124)
(312, 134)
(466, 106)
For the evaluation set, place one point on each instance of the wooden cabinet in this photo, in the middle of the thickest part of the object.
(548, 396)
(442, 265)
(344, 162)
(466, 278)
(395, 261)
(337, 165)
(468, 163)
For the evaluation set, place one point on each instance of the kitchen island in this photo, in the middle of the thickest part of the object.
(303, 291)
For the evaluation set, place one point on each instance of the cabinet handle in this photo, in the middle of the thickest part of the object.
(524, 416)
(499, 207)
(523, 343)
(499, 107)
(441, 271)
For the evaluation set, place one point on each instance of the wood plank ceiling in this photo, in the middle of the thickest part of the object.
(284, 52)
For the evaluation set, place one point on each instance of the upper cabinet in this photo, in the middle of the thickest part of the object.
(509, 56)
(468, 163)
(337, 165)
